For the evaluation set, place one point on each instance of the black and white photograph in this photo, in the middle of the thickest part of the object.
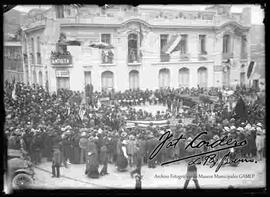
(118, 96)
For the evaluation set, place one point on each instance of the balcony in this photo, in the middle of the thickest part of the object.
(203, 56)
(107, 57)
(164, 57)
(227, 55)
(134, 58)
(184, 56)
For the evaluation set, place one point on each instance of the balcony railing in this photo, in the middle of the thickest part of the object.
(184, 56)
(227, 55)
(107, 57)
(164, 57)
(203, 56)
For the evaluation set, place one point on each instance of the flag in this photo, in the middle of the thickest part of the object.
(14, 96)
(251, 69)
(173, 44)
(72, 43)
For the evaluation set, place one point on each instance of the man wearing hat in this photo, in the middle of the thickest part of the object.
(56, 161)
(92, 163)
(122, 157)
(104, 156)
(83, 145)
(260, 140)
(151, 144)
(131, 149)
(191, 168)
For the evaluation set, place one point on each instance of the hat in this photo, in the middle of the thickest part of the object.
(131, 137)
(259, 124)
(240, 129)
(233, 127)
(100, 130)
(227, 129)
(68, 127)
(123, 134)
(259, 129)
(248, 127)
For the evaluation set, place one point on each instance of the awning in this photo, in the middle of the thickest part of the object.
(73, 43)
(101, 45)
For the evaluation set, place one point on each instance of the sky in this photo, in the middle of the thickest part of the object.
(257, 14)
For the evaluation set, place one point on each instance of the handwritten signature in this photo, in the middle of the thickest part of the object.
(210, 157)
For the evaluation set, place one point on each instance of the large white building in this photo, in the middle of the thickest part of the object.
(152, 48)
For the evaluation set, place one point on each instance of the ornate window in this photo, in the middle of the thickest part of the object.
(107, 54)
(132, 48)
(164, 78)
(202, 77)
(107, 82)
(133, 80)
(164, 57)
(244, 47)
(202, 39)
(226, 44)
(183, 46)
(59, 11)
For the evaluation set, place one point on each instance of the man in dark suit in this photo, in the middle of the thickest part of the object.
(56, 161)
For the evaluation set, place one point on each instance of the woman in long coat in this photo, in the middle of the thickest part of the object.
(92, 159)
(122, 158)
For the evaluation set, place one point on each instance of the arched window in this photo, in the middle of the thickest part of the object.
(133, 80)
(202, 77)
(107, 83)
(226, 43)
(132, 48)
(183, 77)
(164, 78)
(40, 77)
(38, 51)
(34, 77)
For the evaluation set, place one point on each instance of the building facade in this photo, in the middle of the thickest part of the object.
(13, 61)
(150, 48)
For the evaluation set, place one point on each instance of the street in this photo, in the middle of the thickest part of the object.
(73, 177)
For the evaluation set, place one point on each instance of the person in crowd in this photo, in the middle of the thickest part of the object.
(37, 116)
(92, 159)
(191, 168)
(104, 157)
(137, 160)
(83, 145)
(56, 162)
(122, 157)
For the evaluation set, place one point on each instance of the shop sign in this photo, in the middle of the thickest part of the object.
(61, 60)
(62, 73)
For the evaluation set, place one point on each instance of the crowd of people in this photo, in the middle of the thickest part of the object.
(64, 129)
